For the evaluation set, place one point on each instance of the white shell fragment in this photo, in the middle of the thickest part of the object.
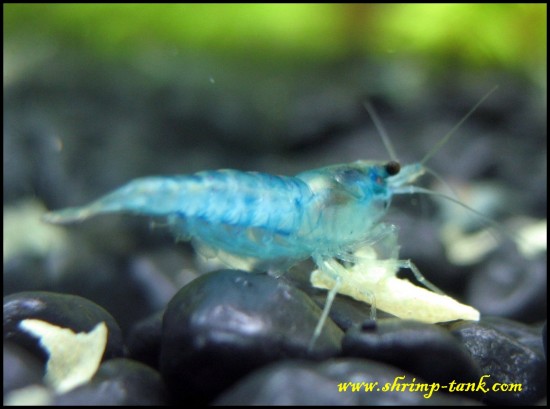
(74, 357)
(376, 279)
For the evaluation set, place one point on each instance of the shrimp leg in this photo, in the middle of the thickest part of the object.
(327, 266)
(337, 273)
(408, 264)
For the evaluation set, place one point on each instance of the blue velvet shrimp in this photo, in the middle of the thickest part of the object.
(260, 222)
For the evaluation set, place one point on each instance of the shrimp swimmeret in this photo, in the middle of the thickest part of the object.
(262, 222)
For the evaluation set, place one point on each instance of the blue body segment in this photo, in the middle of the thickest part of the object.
(273, 221)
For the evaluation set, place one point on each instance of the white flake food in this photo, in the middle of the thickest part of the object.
(74, 357)
(376, 279)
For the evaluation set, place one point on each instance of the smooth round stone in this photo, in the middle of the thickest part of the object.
(20, 368)
(66, 311)
(144, 340)
(393, 386)
(331, 383)
(120, 382)
(510, 353)
(510, 286)
(426, 350)
(284, 383)
(227, 323)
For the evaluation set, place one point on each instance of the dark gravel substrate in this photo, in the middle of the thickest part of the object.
(234, 338)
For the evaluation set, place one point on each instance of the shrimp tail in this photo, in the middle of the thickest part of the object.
(69, 215)
(154, 196)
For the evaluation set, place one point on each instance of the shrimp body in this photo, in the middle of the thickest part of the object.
(270, 221)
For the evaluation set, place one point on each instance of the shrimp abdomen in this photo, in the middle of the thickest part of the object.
(224, 197)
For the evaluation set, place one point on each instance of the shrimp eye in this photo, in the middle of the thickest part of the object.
(392, 168)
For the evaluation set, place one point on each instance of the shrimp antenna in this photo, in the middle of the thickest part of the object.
(486, 219)
(381, 130)
(444, 140)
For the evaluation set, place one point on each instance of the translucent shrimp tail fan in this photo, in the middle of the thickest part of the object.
(153, 196)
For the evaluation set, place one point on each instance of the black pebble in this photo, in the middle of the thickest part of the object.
(67, 311)
(510, 286)
(20, 368)
(426, 350)
(120, 382)
(511, 353)
(144, 340)
(284, 383)
(227, 323)
(306, 383)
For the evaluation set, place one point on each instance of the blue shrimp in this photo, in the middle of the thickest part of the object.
(265, 222)
(260, 221)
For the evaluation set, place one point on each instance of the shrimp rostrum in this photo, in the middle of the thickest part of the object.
(262, 222)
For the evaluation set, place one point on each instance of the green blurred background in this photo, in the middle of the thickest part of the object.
(504, 36)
